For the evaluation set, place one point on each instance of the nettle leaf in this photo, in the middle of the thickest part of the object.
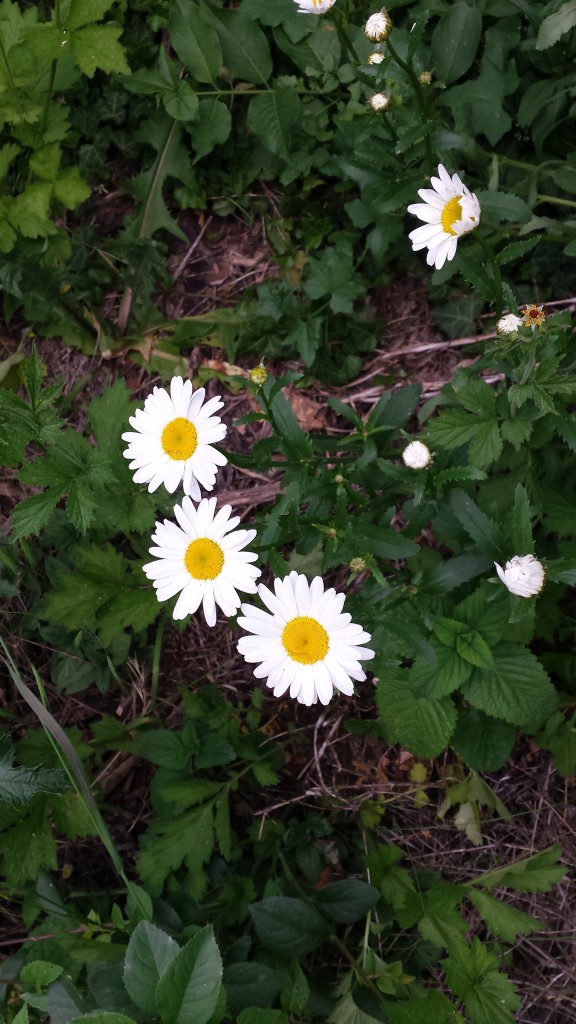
(482, 742)
(108, 416)
(455, 41)
(28, 846)
(188, 989)
(97, 46)
(348, 900)
(272, 115)
(421, 725)
(516, 689)
(288, 926)
(504, 922)
(472, 973)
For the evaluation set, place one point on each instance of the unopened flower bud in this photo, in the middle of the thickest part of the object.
(379, 101)
(425, 77)
(378, 26)
(332, 533)
(417, 455)
(339, 479)
(523, 575)
(358, 565)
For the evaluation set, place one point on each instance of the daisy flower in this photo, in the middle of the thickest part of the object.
(173, 439)
(449, 211)
(534, 316)
(379, 101)
(378, 26)
(304, 643)
(202, 559)
(314, 6)
(416, 455)
(509, 324)
(523, 575)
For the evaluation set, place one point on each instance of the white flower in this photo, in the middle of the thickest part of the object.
(375, 58)
(509, 324)
(379, 101)
(523, 575)
(202, 558)
(174, 437)
(378, 26)
(416, 455)
(449, 211)
(306, 644)
(314, 6)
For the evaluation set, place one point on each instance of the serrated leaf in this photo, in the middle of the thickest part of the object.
(441, 677)
(516, 689)
(556, 25)
(472, 972)
(149, 953)
(515, 250)
(436, 913)
(271, 116)
(28, 846)
(187, 840)
(19, 785)
(531, 874)
(70, 188)
(503, 921)
(504, 206)
(480, 528)
(482, 742)
(97, 47)
(32, 514)
(421, 725)
(84, 12)
(288, 926)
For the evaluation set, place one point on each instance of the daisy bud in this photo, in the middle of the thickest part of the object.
(314, 6)
(509, 324)
(534, 316)
(449, 211)
(358, 565)
(375, 58)
(523, 575)
(258, 375)
(417, 455)
(425, 77)
(379, 101)
(378, 26)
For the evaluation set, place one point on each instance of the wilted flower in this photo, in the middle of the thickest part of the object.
(376, 58)
(378, 26)
(305, 644)
(314, 6)
(358, 565)
(523, 575)
(258, 375)
(379, 101)
(449, 211)
(417, 455)
(202, 559)
(174, 437)
(534, 316)
(509, 324)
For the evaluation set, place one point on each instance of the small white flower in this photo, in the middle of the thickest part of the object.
(417, 455)
(378, 26)
(509, 324)
(375, 58)
(449, 211)
(202, 558)
(314, 6)
(523, 575)
(305, 644)
(379, 101)
(173, 440)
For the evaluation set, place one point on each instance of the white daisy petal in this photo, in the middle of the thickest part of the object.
(304, 643)
(314, 6)
(449, 211)
(172, 440)
(202, 560)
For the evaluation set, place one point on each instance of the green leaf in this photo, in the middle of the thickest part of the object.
(19, 785)
(96, 47)
(394, 882)
(250, 985)
(332, 273)
(189, 987)
(149, 953)
(187, 840)
(515, 250)
(559, 736)
(44, 163)
(421, 725)
(108, 417)
(195, 41)
(102, 1017)
(521, 523)
(288, 926)
(348, 900)
(504, 206)
(30, 211)
(164, 748)
(32, 514)
(482, 742)
(70, 189)
(245, 48)
(472, 647)
(531, 874)
(435, 913)
(254, 1015)
(455, 41)
(480, 528)
(556, 25)
(516, 689)
(212, 127)
(272, 115)
(40, 973)
(28, 846)
(441, 677)
(504, 922)
(472, 973)
(84, 12)
(433, 1008)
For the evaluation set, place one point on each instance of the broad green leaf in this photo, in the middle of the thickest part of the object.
(45, 162)
(96, 47)
(441, 677)
(245, 49)
(251, 984)
(103, 1017)
(455, 41)
(84, 12)
(503, 921)
(454, 571)
(70, 188)
(348, 900)
(108, 417)
(149, 953)
(195, 41)
(482, 742)
(421, 725)
(333, 273)
(472, 647)
(436, 913)
(189, 987)
(504, 206)
(272, 115)
(40, 973)
(472, 972)
(556, 25)
(433, 1008)
(164, 748)
(288, 926)
(212, 127)
(255, 1015)
(516, 689)
(481, 529)
(30, 211)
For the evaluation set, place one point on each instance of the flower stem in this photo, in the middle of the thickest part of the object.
(422, 104)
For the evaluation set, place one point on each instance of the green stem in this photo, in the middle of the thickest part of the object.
(497, 276)
(50, 88)
(556, 199)
(409, 71)
(156, 662)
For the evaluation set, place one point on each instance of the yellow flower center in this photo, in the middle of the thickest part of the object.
(204, 559)
(450, 214)
(305, 640)
(179, 439)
